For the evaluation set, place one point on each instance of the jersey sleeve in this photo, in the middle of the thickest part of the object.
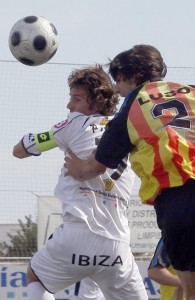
(59, 135)
(115, 143)
(45, 141)
(35, 144)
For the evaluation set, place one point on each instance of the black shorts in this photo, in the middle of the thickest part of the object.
(175, 210)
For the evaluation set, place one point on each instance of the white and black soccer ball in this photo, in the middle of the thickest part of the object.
(33, 40)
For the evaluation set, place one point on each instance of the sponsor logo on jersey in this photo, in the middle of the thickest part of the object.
(96, 260)
(104, 122)
(43, 137)
(61, 124)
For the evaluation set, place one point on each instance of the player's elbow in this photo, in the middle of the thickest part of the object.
(155, 273)
(151, 274)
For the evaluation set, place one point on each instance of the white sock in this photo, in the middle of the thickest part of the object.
(36, 291)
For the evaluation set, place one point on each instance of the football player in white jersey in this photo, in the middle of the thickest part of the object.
(94, 239)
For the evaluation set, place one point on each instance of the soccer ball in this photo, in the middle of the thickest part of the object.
(33, 40)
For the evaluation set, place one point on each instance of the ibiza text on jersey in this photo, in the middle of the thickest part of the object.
(96, 260)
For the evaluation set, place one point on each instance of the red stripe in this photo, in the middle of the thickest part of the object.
(173, 142)
(144, 131)
(191, 150)
(191, 145)
(192, 157)
(140, 124)
(177, 158)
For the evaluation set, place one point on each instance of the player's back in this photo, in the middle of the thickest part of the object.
(161, 126)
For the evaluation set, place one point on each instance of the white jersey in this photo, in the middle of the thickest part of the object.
(101, 202)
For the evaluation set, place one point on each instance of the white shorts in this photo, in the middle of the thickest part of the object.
(84, 290)
(73, 252)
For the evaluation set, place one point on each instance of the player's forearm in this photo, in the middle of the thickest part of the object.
(91, 169)
(81, 169)
(164, 277)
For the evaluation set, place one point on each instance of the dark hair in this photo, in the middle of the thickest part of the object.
(99, 86)
(143, 61)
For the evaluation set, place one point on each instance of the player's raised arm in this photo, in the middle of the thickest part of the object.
(29, 145)
(83, 169)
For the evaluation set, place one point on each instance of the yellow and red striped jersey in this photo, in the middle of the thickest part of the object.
(156, 125)
(161, 126)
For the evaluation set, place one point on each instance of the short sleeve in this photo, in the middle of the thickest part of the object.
(115, 143)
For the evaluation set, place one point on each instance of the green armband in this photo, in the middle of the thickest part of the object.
(45, 141)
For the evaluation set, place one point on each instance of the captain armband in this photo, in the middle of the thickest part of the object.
(45, 141)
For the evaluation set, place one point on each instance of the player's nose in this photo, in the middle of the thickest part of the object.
(69, 105)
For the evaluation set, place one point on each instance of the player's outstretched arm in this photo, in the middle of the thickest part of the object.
(81, 169)
(19, 151)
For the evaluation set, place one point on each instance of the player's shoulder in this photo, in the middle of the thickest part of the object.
(79, 120)
(72, 118)
(99, 119)
(86, 120)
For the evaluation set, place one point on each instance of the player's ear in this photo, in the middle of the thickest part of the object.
(91, 103)
(89, 100)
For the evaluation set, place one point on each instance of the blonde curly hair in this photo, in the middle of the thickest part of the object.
(99, 86)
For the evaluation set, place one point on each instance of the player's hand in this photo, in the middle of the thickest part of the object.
(81, 169)
(74, 165)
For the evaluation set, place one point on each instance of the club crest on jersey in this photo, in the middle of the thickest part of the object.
(104, 122)
(43, 137)
(108, 184)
